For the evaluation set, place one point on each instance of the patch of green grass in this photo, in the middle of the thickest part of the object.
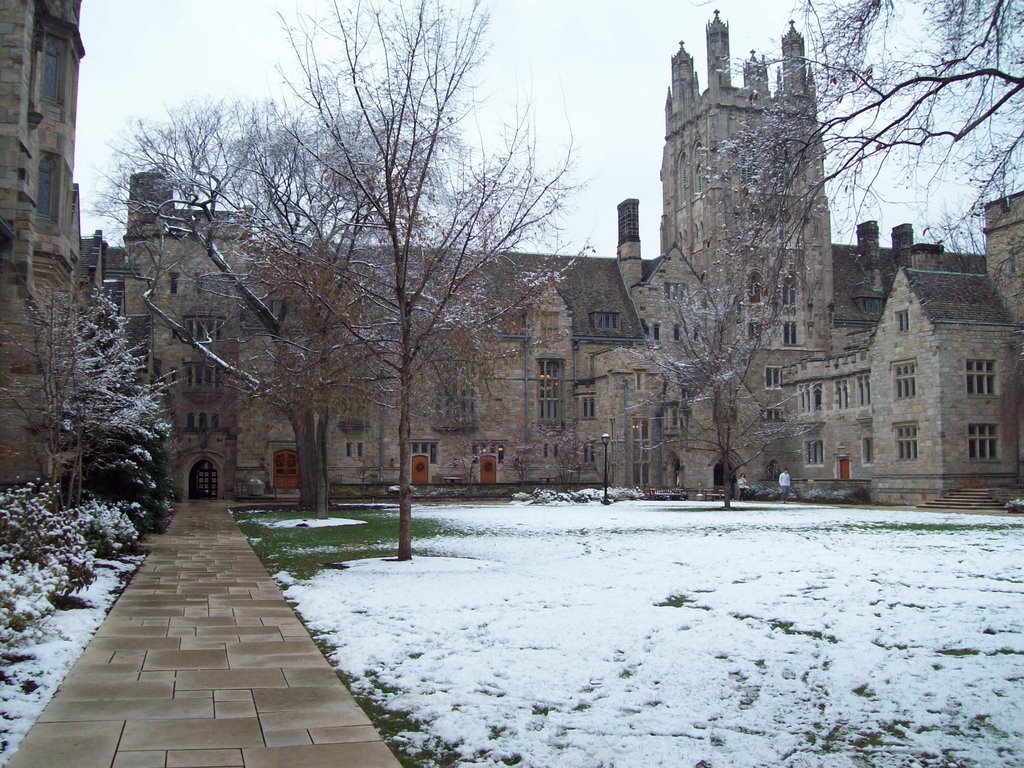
(676, 601)
(304, 551)
(958, 651)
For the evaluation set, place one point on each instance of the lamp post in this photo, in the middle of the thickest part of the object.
(604, 439)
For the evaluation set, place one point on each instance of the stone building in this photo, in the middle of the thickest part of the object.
(898, 364)
(39, 209)
(896, 385)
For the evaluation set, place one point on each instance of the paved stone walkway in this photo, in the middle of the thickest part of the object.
(202, 663)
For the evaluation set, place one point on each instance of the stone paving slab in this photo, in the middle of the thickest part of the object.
(202, 664)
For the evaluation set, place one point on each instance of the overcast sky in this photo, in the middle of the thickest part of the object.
(594, 73)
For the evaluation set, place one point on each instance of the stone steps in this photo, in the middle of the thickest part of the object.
(965, 499)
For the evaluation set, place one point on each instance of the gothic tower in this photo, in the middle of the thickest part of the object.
(709, 168)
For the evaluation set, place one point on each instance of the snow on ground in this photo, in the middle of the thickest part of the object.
(648, 634)
(29, 681)
(307, 522)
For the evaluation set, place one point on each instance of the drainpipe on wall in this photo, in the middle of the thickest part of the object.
(526, 400)
(627, 448)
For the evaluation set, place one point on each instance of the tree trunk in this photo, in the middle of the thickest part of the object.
(310, 428)
(404, 474)
(323, 485)
(305, 447)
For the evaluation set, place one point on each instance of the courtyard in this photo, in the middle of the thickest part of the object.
(649, 634)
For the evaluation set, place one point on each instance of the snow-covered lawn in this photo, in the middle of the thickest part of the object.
(31, 673)
(646, 634)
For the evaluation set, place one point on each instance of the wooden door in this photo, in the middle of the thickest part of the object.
(844, 469)
(420, 469)
(202, 480)
(286, 469)
(488, 469)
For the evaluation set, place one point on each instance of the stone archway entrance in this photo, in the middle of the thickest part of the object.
(202, 480)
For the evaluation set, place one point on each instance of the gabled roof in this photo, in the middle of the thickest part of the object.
(852, 280)
(589, 285)
(958, 297)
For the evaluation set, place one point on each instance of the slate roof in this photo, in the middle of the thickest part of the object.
(959, 297)
(852, 281)
(588, 285)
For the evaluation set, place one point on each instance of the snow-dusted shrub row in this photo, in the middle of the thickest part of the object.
(108, 528)
(582, 496)
(1015, 505)
(46, 553)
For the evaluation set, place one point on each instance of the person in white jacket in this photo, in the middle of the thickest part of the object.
(785, 483)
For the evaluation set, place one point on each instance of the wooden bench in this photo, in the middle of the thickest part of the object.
(666, 494)
(712, 494)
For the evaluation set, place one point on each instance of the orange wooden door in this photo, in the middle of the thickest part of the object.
(844, 469)
(286, 469)
(488, 469)
(420, 469)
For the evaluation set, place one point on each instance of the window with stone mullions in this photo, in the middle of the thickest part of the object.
(842, 394)
(549, 391)
(981, 377)
(905, 380)
(906, 442)
(982, 441)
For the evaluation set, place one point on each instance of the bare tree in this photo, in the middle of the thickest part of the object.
(234, 201)
(439, 212)
(936, 87)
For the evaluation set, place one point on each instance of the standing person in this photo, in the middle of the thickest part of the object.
(742, 484)
(785, 482)
(732, 486)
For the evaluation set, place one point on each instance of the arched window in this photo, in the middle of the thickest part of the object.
(755, 287)
(789, 293)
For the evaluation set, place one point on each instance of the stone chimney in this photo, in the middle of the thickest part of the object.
(630, 265)
(927, 256)
(902, 242)
(867, 243)
(867, 246)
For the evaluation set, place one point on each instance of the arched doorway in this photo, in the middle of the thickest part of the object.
(488, 469)
(676, 472)
(286, 470)
(420, 469)
(202, 480)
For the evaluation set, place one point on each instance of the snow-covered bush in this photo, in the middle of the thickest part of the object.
(832, 495)
(109, 528)
(765, 492)
(1015, 505)
(581, 496)
(24, 601)
(43, 554)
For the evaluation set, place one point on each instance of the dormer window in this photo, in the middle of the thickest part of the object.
(871, 305)
(606, 321)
